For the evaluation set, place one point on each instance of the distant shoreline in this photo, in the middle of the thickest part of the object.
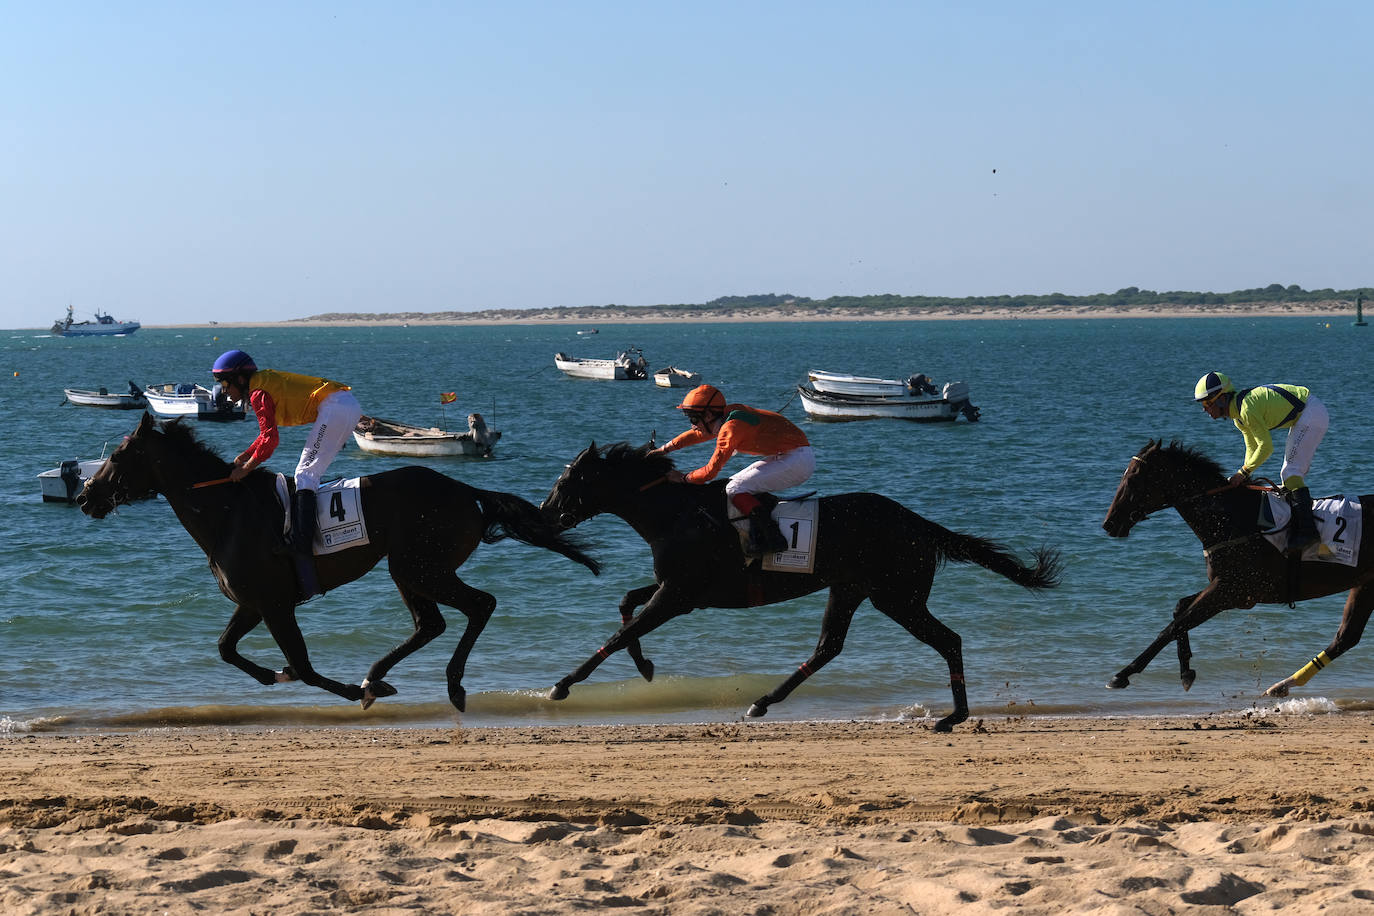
(1334, 309)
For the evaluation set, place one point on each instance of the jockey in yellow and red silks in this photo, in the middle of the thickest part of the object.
(290, 399)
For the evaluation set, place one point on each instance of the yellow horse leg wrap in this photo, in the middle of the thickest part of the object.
(1293, 483)
(1305, 673)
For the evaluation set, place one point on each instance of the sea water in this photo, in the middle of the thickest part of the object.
(113, 623)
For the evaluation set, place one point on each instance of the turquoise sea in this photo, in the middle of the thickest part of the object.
(112, 624)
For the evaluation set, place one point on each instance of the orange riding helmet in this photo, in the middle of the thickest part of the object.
(702, 402)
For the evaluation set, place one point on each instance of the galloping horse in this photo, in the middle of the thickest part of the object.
(867, 546)
(426, 522)
(1243, 568)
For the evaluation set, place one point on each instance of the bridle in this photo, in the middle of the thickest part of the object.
(1136, 516)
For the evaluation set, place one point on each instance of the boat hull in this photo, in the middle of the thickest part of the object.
(172, 401)
(673, 377)
(921, 409)
(857, 385)
(59, 487)
(112, 401)
(628, 366)
(97, 330)
(386, 437)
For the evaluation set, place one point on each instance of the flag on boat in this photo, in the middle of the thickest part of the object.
(448, 397)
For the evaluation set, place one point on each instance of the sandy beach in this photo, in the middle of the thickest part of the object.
(1232, 813)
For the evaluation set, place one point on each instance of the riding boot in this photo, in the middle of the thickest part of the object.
(764, 536)
(1304, 533)
(303, 542)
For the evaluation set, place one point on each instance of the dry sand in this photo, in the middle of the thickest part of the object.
(1333, 310)
(1226, 814)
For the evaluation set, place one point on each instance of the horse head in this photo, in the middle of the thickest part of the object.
(1158, 476)
(126, 476)
(597, 481)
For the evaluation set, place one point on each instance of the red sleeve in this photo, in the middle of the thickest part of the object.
(266, 411)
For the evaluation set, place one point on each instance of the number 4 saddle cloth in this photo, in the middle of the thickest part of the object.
(1339, 524)
(339, 522)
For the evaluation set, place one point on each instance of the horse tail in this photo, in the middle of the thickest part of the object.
(966, 548)
(507, 515)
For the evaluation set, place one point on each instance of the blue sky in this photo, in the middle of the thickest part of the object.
(184, 162)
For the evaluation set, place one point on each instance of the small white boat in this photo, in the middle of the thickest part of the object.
(673, 377)
(948, 404)
(103, 326)
(189, 400)
(64, 482)
(587, 332)
(103, 397)
(388, 437)
(864, 386)
(628, 364)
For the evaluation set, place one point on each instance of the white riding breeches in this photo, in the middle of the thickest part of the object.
(1304, 438)
(774, 472)
(333, 426)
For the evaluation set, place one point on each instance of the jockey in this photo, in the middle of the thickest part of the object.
(787, 459)
(1257, 412)
(287, 399)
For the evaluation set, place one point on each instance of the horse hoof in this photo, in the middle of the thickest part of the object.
(286, 675)
(559, 692)
(1279, 690)
(757, 711)
(1188, 677)
(1118, 683)
(646, 670)
(459, 698)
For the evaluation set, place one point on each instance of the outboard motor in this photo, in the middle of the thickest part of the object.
(71, 477)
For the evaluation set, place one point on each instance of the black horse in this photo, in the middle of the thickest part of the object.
(867, 546)
(425, 522)
(1243, 568)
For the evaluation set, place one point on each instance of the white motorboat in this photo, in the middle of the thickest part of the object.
(673, 377)
(839, 383)
(388, 437)
(103, 326)
(627, 365)
(64, 482)
(189, 400)
(948, 404)
(103, 397)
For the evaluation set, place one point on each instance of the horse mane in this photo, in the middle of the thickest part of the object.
(1189, 458)
(623, 454)
(179, 434)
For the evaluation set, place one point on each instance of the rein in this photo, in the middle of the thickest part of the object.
(210, 483)
(653, 483)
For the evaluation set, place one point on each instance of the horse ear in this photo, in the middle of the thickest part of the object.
(145, 424)
(589, 451)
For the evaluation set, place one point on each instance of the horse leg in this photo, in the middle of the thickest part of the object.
(839, 613)
(427, 587)
(665, 604)
(1202, 607)
(1358, 605)
(240, 625)
(281, 623)
(633, 599)
(1186, 674)
(429, 625)
(915, 617)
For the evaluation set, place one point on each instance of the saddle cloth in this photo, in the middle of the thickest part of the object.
(339, 522)
(797, 520)
(1339, 525)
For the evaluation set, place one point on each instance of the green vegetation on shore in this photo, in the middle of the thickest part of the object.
(787, 304)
